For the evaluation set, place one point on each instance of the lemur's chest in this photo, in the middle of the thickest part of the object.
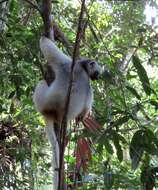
(80, 86)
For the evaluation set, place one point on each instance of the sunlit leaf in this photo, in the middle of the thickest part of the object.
(142, 75)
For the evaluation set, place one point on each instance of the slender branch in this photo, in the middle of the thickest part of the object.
(64, 122)
(91, 24)
(62, 38)
(45, 13)
(93, 32)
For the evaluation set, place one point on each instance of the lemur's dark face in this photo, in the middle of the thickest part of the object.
(92, 68)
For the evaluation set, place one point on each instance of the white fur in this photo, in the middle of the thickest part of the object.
(52, 52)
(55, 152)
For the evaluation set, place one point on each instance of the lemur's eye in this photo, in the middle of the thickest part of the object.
(92, 63)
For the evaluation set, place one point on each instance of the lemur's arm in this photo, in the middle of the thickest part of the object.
(52, 53)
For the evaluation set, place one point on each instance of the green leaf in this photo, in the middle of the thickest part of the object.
(148, 178)
(108, 146)
(100, 149)
(143, 140)
(104, 141)
(136, 157)
(150, 142)
(116, 140)
(133, 91)
(121, 120)
(140, 41)
(11, 94)
(122, 139)
(119, 151)
(136, 148)
(154, 103)
(12, 5)
(142, 75)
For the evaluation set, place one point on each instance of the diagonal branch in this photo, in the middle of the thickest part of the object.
(62, 38)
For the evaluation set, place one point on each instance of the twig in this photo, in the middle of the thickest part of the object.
(62, 38)
(45, 13)
(125, 63)
(93, 32)
(64, 122)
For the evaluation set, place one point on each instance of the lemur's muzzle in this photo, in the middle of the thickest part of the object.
(95, 75)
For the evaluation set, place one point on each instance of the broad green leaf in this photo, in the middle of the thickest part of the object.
(136, 157)
(151, 142)
(142, 75)
(119, 151)
(136, 148)
(133, 91)
(108, 146)
(103, 140)
(116, 140)
(143, 140)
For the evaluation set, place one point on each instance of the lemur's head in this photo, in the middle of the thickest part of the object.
(91, 67)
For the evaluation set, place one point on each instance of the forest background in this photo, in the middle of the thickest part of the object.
(121, 153)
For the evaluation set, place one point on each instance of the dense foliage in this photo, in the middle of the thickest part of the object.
(122, 152)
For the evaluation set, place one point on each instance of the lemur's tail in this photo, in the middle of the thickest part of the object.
(55, 152)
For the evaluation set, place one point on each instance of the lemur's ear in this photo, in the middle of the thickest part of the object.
(51, 52)
(84, 61)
